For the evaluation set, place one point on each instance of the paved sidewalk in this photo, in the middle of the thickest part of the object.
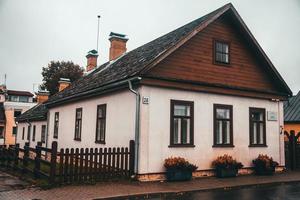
(117, 189)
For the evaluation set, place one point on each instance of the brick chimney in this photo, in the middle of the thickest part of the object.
(91, 60)
(63, 83)
(42, 96)
(117, 45)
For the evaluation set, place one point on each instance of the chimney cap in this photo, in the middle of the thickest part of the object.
(120, 36)
(92, 53)
(64, 80)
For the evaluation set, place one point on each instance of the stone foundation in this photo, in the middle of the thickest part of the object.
(198, 174)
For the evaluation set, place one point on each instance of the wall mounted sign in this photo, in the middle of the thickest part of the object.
(272, 116)
(146, 100)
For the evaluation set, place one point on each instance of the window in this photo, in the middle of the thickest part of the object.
(257, 120)
(1, 132)
(56, 122)
(28, 132)
(223, 134)
(101, 123)
(13, 98)
(182, 123)
(23, 133)
(17, 113)
(23, 99)
(221, 52)
(43, 134)
(14, 130)
(33, 133)
(78, 121)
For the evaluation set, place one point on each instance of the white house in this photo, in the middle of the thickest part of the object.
(202, 90)
(32, 124)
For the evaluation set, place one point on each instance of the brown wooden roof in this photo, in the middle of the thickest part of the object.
(19, 93)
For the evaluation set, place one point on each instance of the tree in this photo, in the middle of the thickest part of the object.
(57, 70)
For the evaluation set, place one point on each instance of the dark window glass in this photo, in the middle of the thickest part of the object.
(101, 123)
(1, 132)
(78, 122)
(43, 134)
(17, 113)
(56, 123)
(257, 126)
(33, 133)
(221, 52)
(15, 130)
(223, 135)
(23, 99)
(28, 132)
(13, 98)
(23, 133)
(182, 121)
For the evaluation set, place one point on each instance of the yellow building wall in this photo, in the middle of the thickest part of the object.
(10, 123)
(289, 127)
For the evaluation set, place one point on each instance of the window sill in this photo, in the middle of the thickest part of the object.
(77, 139)
(223, 145)
(222, 64)
(258, 145)
(180, 145)
(100, 142)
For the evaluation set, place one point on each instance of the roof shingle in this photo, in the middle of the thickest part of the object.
(36, 113)
(292, 109)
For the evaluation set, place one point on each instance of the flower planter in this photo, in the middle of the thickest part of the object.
(178, 175)
(226, 172)
(262, 171)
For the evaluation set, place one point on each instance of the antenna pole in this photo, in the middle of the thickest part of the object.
(4, 79)
(98, 31)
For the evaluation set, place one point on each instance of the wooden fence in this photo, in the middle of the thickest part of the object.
(70, 164)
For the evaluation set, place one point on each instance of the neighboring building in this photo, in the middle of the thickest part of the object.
(292, 114)
(2, 123)
(14, 104)
(32, 124)
(200, 91)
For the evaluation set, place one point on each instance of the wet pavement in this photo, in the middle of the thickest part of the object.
(9, 182)
(279, 192)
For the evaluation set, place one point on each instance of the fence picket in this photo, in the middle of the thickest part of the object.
(66, 166)
(86, 163)
(71, 165)
(81, 165)
(76, 165)
(61, 165)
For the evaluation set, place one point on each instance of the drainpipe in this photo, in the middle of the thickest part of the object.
(137, 124)
(29, 123)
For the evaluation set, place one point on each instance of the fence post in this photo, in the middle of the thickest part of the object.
(293, 149)
(53, 162)
(1, 155)
(37, 160)
(131, 157)
(16, 156)
(25, 157)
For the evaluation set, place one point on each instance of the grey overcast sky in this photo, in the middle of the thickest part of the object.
(34, 32)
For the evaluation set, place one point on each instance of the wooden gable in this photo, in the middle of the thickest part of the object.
(193, 62)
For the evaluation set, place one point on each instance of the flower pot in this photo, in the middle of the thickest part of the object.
(263, 171)
(178, 175)
(226, 172)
